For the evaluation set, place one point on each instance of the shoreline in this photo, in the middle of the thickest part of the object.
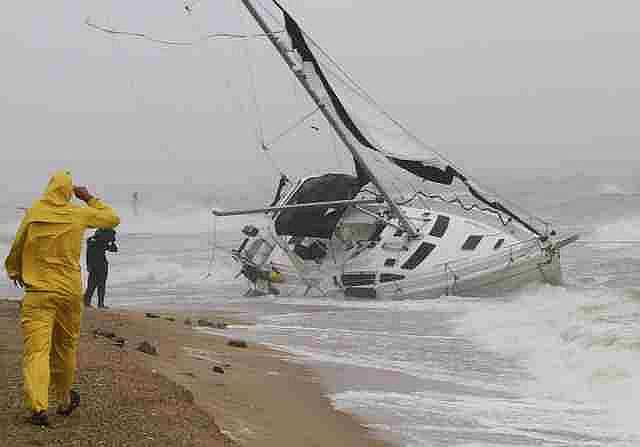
(256, 395)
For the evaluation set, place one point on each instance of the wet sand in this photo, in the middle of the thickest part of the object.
(255, 397)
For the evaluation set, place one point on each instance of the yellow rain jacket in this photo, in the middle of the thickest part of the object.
(46, 256)
(46, 250)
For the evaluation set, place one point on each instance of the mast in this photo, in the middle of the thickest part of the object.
(282, 50)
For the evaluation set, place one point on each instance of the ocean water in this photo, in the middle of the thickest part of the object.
(546, 366)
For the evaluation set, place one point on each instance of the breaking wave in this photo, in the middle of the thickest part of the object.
(625, 230)
(161, 271)
(608, 189)
(581, 346)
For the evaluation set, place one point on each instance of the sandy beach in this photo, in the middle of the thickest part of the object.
(197, 390)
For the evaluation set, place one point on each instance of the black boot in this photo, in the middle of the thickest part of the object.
(74, 402)
(39, 418)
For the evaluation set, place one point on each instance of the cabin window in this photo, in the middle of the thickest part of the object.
(498, 244)
(358, 279)
(388, 277)
(418, 256)
(472, 242)
(440, 227)
(390, 262)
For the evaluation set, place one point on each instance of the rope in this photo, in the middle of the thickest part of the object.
(179, 43)
(456, 200)
(254, 96)
(213, 238)
(290, 129)
(259, 128)
(587, 242)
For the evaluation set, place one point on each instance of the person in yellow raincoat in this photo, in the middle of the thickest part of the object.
(45, 261)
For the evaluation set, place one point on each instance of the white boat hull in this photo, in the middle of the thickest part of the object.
(392, 268)
(540, 269)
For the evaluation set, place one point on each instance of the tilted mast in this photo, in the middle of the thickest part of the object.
(302, 78)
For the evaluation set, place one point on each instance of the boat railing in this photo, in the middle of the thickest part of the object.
(454, 203)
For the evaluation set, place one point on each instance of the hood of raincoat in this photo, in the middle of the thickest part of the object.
(55, 204)
(59, 190)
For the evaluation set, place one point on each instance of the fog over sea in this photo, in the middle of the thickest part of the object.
(546, 366)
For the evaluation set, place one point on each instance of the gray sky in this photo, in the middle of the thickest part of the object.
(494, 83)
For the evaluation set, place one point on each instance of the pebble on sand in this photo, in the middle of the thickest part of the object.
(237, 343)
(147, 348)
(212, 324)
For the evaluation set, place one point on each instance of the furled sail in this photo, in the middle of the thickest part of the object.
(418, 161)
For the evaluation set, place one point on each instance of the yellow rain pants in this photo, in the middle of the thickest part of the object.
(45, 256)
(50, 327)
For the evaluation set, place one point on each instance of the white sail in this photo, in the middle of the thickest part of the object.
(400, 149)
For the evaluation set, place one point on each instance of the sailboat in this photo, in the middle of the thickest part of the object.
(354, 236)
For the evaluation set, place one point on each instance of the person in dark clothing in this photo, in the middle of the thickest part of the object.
(102, 241)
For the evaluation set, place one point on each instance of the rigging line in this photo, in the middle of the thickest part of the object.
(182, 43)
(588, 242)
(259, 127)
(334, 143)
(254, 97)
(290, 128)
(292, 75)
(456, 200)
(279, 21)
(273, 162)
(254, 94)
(213, 238)
(358, 89)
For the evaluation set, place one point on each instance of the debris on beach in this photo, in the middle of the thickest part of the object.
(147, 348)
(103, 333)
(238, 343)
(117, 341)
(166, 317)
(218, 369)
(212, 324)
(188, 322)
